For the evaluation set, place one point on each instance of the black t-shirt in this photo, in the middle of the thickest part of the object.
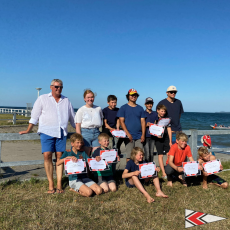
(111, 116)
(174, 110)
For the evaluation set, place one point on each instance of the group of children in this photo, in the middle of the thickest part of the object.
(176, 153)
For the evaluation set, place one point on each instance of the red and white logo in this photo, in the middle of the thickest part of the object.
(193, 218)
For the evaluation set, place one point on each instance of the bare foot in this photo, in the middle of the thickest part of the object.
(71, 189)
(161, 194)
(205, 186)
(150, 199)
(169, 183)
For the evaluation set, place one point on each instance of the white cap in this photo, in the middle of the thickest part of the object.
(171, 88)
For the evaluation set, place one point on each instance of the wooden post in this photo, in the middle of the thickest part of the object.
(14, 119)
(193, 143)
(0, 156)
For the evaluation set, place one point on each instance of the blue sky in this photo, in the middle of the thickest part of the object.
(112, 46)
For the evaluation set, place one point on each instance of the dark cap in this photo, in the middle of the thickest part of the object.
(149, 100)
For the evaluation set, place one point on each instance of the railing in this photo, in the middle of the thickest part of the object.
(192, 134)
(14, 116)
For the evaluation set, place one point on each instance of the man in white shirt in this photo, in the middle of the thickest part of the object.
(53, 111)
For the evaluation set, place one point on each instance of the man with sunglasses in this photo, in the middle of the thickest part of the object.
(132, 120)
(174, 108)
(53, 111)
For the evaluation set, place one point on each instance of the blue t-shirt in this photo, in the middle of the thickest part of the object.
(150, 117)
(111, 116)
(132, 117)
(68, 153)
(132, 167)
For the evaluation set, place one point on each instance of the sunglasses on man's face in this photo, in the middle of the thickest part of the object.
(173, 92)
(56, 86)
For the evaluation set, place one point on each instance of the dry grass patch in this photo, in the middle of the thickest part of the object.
(27, 206)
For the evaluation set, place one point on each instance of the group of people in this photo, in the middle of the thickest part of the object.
(54, 111)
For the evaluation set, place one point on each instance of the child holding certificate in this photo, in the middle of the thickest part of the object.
(163, 143)
(104, 178)
(205, 156)
(79, 183)
(132, 172)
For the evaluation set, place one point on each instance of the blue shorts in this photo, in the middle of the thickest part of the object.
(53, 144)
(90, 137)
(129, 185)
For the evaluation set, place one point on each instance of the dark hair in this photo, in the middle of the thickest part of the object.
(111, 98)
(162, 107)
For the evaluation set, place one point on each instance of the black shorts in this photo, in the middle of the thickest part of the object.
(107, 179)
(215, 179)
(162, 145)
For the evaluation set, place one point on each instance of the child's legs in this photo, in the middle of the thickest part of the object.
(79, 187)
(216, 180)
(147, 149)
(158, 187)
(151, 148)
(97, 189)
(112, 187)
(128, 148)
(160, 152)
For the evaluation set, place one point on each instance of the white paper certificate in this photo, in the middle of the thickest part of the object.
(119, 133)
(191, 168)
(75, 166)
(212, 166)
(147, 170)
(97, 165)
(156, 130)
(164, 121)
(109, 156)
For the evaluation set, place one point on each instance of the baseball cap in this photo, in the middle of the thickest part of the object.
(172, 88)
(149, 99)
(132, 91)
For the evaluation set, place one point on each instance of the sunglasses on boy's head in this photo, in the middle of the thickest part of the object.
(56, 86)
(173, 92)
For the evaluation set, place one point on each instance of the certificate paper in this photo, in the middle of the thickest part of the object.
(110, 156)
(97, 165)
(212, 167)
(156, 130)
(164, 121)
(191, 168)
(147, 170)
(118, 133)
(75, 167)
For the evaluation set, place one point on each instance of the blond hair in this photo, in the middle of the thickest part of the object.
(202, 150)
(76, 136)
(88, 91)
(135, 151)
(181, 136)
(103, 135)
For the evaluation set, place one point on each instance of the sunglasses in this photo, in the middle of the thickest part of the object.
(173, 92)
(134, 95)
(56, 86)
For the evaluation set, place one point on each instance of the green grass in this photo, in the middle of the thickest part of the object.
(10, 118)
(26, 205)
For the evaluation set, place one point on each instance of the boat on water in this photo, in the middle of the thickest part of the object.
(219, 127)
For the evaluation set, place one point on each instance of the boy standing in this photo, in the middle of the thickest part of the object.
(132, 119)
(151, 117)
(164, 143)
(79, 183)
(205, 156)
(105, 178)
(177, 154)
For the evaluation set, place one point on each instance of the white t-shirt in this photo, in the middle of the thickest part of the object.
(89, 117)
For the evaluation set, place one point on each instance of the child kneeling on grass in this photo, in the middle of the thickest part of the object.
(131, 173)
(176, 156)
(79, 183)
(205, 156)
(104, 178)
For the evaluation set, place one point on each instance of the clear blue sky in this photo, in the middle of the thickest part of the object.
(111, 46)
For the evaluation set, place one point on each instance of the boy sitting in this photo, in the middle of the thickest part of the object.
(79, 183)
(105, 178)
(205, 156)
(177, 154)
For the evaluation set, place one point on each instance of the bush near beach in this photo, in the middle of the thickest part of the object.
(26, 205)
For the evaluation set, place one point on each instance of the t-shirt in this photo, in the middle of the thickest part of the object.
(89, 117)
(132, 117)
(208, 139)
(70, 152)
(106, 172)
(132, 167)
(111, 116)
(179, 154)
(150, 117)
(174, 110)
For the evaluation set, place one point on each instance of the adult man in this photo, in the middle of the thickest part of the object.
(132, 120)
(174, 108)
(53, 111)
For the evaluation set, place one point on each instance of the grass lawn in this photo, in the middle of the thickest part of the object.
(9, 120)
(25, 205)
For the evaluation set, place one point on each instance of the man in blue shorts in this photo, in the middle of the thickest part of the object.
(53, 111)
(132, 120)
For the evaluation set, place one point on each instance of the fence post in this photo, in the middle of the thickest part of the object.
(14, 119)
(193, 143)
(0, 156)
